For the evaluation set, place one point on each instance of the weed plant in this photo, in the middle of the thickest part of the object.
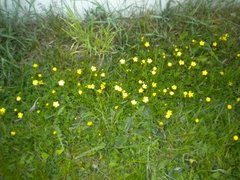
(154, 95)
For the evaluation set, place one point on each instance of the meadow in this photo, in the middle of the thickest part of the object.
(154, 95)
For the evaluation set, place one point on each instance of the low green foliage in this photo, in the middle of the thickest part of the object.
(150, 96)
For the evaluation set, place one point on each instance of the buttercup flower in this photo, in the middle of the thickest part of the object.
(61, 83)
(56, 104)
(214, 44)
(197, 120)
(93, 68)
(13, 133)
(54, 69)
(174, 87)
(229, 106)
(146, 44)
(208, 99)
(2, 111)
(80, 92)
(35, 82)
(181, 62)
(154, 85)
(193, 63)
(135, 59)
(160, 124)
(18, 98)
(145, 99)
(149, 61)
(35, 65)
(201, 43)
(179, 54)
(235, 137)
(89, 123)
(204, 73)
(133, 102)
(20, 115)
(140, 90)
(122, 61)
(103, 74)
(168, 114)
(169, 64)
(79, 71)
(90, 86)
(118, 88)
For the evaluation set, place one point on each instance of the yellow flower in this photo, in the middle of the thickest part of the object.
(54, 69)
(214, 44)
(238, 99)
(143, 61)
(154, 85)
(154, 68)
(56, 104)
(54, 132)
(197, 120)
(115, 107)
(118, 88)
(2, 111)
(90, 86)
(193, 63)
(222, 73)
(154, 94)
(124, 94)
(179, 54)
(103, 74)
(79, 71)
(20, 115)
(169, 64)
(135, 59)
(133, 102)
(35, 82)
(171, 93)
(204, 73)
(229, 106)
(168, 114)
(40, 75)
(190, 94)
(144, 86)
(18, 98)
(146, 44)
(160, 124)
(13, 133)
(53, 91)
(153, 72)
(185, 93)
(140, 82)
(149, 61)
(93, 68)
(140, 90)
(99, 91)
(61, 83)
(201, 43)
(164, 91)
(194, 41)
(235, 137)
(122, 61)
(145, 99)
(181, 62)
(80, 92)
(103, 85)
(142, 38)
(35, 65)
(89, 123)
(95, 74)
(38, 111)
(174, 87)
(208, 99)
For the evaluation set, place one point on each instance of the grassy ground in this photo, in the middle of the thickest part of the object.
(150, 96)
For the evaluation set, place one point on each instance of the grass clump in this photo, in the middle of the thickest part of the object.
(150, 96)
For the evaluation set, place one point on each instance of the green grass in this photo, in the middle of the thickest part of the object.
(100, 128)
